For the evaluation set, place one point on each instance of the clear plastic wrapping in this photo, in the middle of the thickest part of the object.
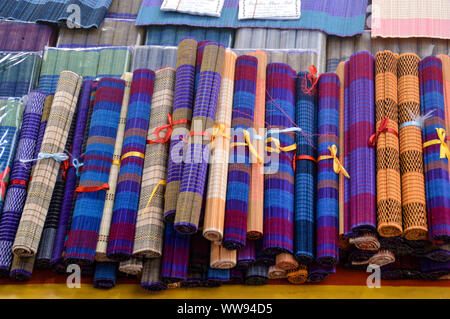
(173, 34)
(91, 63)
(19, 72)
(157, 57)
(111, 32)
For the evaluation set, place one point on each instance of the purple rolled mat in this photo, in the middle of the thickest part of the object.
(72, 173)
(17, 190)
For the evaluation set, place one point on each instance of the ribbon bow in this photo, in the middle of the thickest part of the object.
(383, 128)
(278, 148)
(248, 143)
(169, 128)
(313, 78)
(219, 130)
(337, 166)
(59, 157)
(445, 152)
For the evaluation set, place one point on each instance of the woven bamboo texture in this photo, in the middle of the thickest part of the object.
(222, 258)
(46, 170)
(255, 215)
(105, 224)
(411, 153)
(389, 212)
(149, 235)
(182, 110)
(214, 219)
(194, 175)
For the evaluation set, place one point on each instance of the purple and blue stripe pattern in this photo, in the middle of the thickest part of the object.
(71, 175)
(17, 190)
(123, 222)
(87, 214)
(327, 213)
(338, 17)
(305, 171)
(239, 169)
(279, 174)
(360, 205)
(437, 184)
(175, 257)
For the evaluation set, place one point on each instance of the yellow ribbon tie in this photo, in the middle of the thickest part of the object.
(161, 182)
(278, 148)
(116, 162)
(219, 130)
(337, 166)
(248, 143)
(134, 154)
(445, 152)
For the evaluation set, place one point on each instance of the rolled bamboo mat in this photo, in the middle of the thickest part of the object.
(389, 197)
(105, 275)
(151, 275)
(382, 257)
(435, 149)
(182, 114)
(148, 238)
(216, 277)
(126, 203)
(11, 114)
(175, 257)
(257, 275)
(194, 279)
(236, 277)
(431, 270)
(214, 219)
(255, 215)
(199, 253)
(91, 192)
(222, 258)
(305, 169)
(105, 224)
(132, 266)
(397, 245)
(366, 242)
(20, 174)
(298, 276)
(317, 273)
(358, 259)
(286, 262)
(328, 170)
(194, 175)
(445, 59)
(246, 255)
(340, 72)
(58, 263)
(276, 272)
(439, 253)
(45, 249)
(279, 174)
(44, 176)
(72, 173)
(261, 257)
(411, 153)
(239, 167)
(359, 157)
(21, 268)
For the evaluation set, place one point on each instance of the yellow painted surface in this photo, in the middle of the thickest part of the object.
(133, 291)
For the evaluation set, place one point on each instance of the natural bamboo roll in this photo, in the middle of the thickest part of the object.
(255, 214)
(411, 153)
(389, 212)
(286, 262)
(218, 171)
(222, 258)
